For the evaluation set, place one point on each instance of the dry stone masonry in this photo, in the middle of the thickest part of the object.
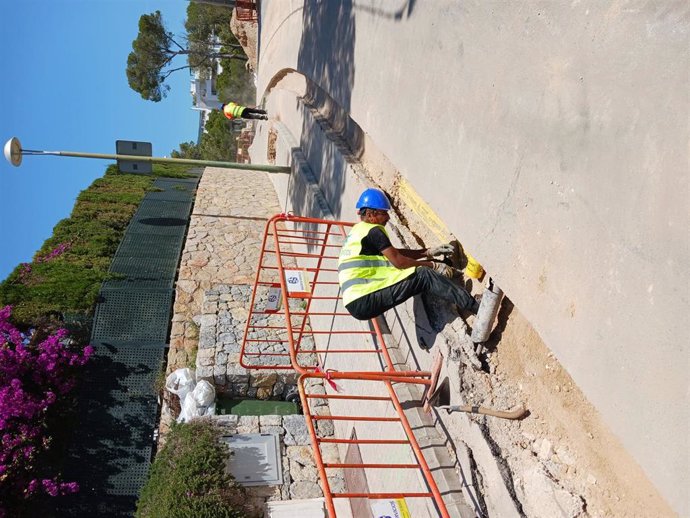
(221, 328)
(222, 247)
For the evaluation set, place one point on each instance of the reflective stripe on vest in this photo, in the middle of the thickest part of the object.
(233, 111)
(360, 275)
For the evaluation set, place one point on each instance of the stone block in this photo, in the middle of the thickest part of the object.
(237, 374)
(204, 373)
(263, 393)
(227, 423)
(329, 453)
(305, 489)
(325, 428)
(205, 358)
(289, 377)
(209, 307)
(231, 347)
(266, 492)
(275, 430)
(300, 454)
(278, 388)
(295, 424)
(227, 338)
(263, 379)
(285, 491)
(270, 420)
(207, 338)
(240, 389)
(337, 484)
(207, 321)
(300, 472)
(316, 387)
(227, 324)
(248, 424)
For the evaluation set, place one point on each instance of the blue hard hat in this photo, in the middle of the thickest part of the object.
(373, 199)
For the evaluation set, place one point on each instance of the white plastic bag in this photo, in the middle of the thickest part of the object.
(180, 382)
(199, 402)
(204, 394)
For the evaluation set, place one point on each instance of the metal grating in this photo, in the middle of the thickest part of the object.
(159, 267)
(149, 245)
(173, 190)
(160, 208)
(118, 408)
(118, 413)
(132, 315)
(160, 225)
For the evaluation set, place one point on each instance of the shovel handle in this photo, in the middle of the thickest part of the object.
(514, 413)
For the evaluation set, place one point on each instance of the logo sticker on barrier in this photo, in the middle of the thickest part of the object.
(274, 299)
(394, 508)
(297, 283)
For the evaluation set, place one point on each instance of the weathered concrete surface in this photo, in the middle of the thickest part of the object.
(552, 139)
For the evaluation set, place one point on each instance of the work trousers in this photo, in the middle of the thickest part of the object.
(423, 280)
(254, 113)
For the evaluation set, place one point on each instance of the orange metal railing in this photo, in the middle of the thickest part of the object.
(297, 321)
(390, 461)
(311, 328)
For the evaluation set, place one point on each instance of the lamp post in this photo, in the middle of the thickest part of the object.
(14, 153)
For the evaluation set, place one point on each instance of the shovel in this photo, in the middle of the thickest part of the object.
(441, 399)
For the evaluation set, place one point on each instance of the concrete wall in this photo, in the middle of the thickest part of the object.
(552, 138)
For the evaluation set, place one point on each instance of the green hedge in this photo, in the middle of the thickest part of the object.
(69, 283)
(188, 478)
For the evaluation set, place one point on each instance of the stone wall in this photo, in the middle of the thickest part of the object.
(300, 477)
(223, 243)
(221, 327)
(222, 247)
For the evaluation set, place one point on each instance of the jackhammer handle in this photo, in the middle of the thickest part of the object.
(515, 413)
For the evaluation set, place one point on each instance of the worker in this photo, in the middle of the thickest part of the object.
(375, 276)
(236, 111)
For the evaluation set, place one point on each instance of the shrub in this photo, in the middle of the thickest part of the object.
(37, 371)
(188, 477)
(66, 273)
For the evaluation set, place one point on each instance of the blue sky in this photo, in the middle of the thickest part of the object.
(64, 88)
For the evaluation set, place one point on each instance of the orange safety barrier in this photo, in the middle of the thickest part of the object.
(387, 462)
(309, 328)
(297, 321)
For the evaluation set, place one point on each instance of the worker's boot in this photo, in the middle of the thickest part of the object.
(468, 314)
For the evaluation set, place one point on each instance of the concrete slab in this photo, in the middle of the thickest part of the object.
(552, 139)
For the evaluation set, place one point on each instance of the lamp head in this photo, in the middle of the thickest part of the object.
(13, 151)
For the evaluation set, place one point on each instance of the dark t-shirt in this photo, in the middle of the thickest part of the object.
(375, 242)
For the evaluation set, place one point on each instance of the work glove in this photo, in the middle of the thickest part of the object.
(446, 249)
(445, 270)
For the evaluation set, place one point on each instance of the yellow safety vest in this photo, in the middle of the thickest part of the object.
(359, 275)
(233, 111)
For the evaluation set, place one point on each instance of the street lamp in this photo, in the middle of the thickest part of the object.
(14, 153)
